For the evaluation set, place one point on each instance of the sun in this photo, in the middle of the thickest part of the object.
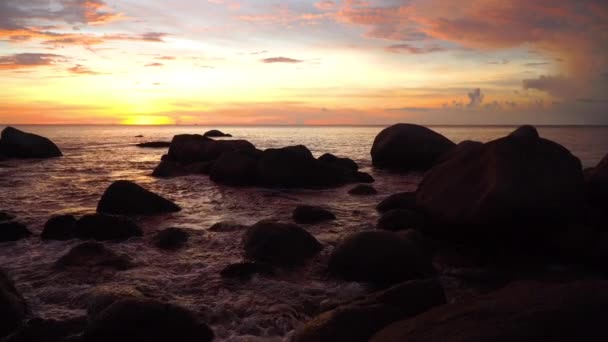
(147, 120)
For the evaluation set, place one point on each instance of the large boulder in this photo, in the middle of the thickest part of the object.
(127, 198)
(519, 186)
(400, 200)
(279, 244)
(93, 255)
(18, 144)
(523, 311)
(312, 214)
(102, 227)
(359, 320)
(13, 231)
(190, 148)
(215, 133)
(381, 257)
(60, 227)
(399, 219)
(407, 147)
(138, 320)
(13, 309)
(596, 180)
(235, 168)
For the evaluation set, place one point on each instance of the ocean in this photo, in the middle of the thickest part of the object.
(264, 309)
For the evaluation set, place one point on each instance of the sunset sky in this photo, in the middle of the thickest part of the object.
(304, 62)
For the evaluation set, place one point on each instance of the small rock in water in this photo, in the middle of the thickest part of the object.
(13, 231)
(312, 214)
(155, 144)
(103, 296)
(363, 177)
(18, 144)
(127, 198)
(171, 238)
(105, 227)
(226, 227)
(401, 200)
(363, 190)
(214, 133)
(62, 227)
(93, 255)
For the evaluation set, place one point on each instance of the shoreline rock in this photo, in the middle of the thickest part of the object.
(127, 198)
(21, 145)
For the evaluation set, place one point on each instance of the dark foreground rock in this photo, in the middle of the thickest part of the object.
(363, 190)
(13, 231)
(6, 217)
(93, 255)
(406, 147)
(246, 270)
(235, 168)
(102, 297)
(279, 244)
(154, 144)
(18, 144)
(520, 186)
(226, 227)
(379, 257)
(524, 311)
(48, 330)
(136, 320)
(171, 238)
(13, 308)
(359, 320)
(127, 198)
(596, 181)
(399, 219)
(401, 200)
(312, 214)
(214, 133)
(61, 227)
(102, 227)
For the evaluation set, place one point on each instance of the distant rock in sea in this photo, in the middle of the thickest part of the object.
(18, 144)
(214, 133)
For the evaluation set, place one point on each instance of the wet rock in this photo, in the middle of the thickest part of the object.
(359, 320)
(171, 238)
(127, 198)
(18, 144)
(168, 168)
(522, 311)
(462, 147)
(226, 227)
(510, 188)
(214, 133)
(362, 177)
(61, 227)
(399, 219)
(48, 330)
(401, 200)
(13, 308)
(363, 190)
(379, 257)
(187, 148)
(235, 168)
(525, 132)
(102, 227)
(136, 320)
(13, 231)
(6, 217)
(154, 144)
(279, 244)
(93, 255)
(312, 214)
(407, 147)
(246, 270)
(596, 181)
(343, 163)
(102, 297)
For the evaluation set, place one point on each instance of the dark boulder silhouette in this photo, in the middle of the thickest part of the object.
(171, 238)
(18, 144)
(363, 190)
(127, 198)
(399, 219)
(235, 168)
(6, 217)
(61, 227)
(93, 255)
(343, 163)
(140, 320)
(311, 214)
(407, 147)
(103, 296)
(154, 144)
(379, 257)
(246, 270)
(279, 244)
(48, 330)
(214, 133)
(362, 177)
(522, 311)
(596, 180)
(13, 309)
(226, 227)
(102, 227)
(401, 200)
(359, 320)
(13, 231)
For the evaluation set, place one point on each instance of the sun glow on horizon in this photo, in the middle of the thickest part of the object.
(147, 120)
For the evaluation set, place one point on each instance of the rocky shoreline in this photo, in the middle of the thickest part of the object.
(517, 220)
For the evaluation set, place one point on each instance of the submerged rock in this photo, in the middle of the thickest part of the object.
(363, 190)
(171, 238)
(362, 177)
(102, 227)
(246, 270)
(214, 133)
(399, 219)
(191, 148)
(13, 309)
(407, 147)
(18, 144)
(522, 311)
(401, 200)
(154, 144)
(359, 320)
(379, 257)
(312, 214)
(226, 227)
(93, 255)
(279, 244)
(13, 231)
(61, 227)
(127, 198)
(137, 320)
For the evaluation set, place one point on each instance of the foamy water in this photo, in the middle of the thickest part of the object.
(267, 308)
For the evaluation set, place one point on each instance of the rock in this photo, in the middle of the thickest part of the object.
(379, 257)
(510, 188)
(246, 270)
(154, 144)
(407, 147)
(311, 214)
(462, 147)
(102, 297)
(235, 168)
(62, 227)
(93, 255)
(226, 227)
(214, 133)
(17, 144)
(137, 320)
(6, 217)
(13, 308)
(399, 219)
(363, 190)
(13, 231)
(401, 200)
(48, 330)
(279, 244)
(171, 238)
(526, 132)
(168, 168)
(522, 311)
(102, 227)
(127, 198)
(596, 181)
(362, 177)
(359, 320)
(187, 149)
(344, 163)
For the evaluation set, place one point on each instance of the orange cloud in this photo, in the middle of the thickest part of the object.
(28, 60)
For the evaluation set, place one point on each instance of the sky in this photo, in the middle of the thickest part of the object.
(304, 62)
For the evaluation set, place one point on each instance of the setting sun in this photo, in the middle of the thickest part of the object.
(147, 120)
